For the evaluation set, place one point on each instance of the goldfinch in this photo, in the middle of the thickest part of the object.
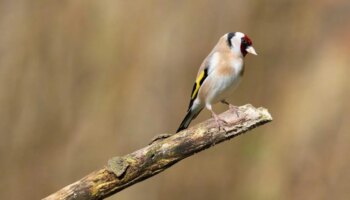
(218, 76)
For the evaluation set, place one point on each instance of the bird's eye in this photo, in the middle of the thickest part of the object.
(245, 42)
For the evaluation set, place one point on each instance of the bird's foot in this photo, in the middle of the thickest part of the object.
(234, 109)
(240, 115)
(220, 122)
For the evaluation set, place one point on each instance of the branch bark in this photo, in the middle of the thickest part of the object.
(122, 172)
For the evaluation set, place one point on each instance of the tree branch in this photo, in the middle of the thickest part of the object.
(122, 172)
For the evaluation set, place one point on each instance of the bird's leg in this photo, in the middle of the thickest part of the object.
(219, 122)
(231, 107)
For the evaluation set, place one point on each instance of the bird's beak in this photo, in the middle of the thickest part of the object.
(251, 50)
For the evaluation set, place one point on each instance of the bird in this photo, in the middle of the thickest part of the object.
(218, 76)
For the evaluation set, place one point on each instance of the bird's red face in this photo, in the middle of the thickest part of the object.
(246, 45)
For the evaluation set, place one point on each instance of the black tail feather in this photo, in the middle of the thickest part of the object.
(191, 115)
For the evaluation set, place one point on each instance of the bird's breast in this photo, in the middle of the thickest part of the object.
(231, 68)
(227, 77)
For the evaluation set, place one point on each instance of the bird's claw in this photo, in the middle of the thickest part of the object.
(231, 107)
(220, 122)
(234, 109)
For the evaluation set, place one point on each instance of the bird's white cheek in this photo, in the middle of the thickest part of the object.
(236, 49)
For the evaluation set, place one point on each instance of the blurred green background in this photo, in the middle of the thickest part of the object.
(82, 81)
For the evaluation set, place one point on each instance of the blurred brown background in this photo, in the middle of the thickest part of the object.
(82, 81)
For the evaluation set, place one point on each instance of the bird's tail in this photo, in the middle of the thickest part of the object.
(191, 115)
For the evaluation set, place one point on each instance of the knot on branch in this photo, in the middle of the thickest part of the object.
(118, 166)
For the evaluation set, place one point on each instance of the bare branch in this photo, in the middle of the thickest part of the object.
(122, 172)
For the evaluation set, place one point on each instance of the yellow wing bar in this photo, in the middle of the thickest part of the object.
(197, 84)
(200, 79)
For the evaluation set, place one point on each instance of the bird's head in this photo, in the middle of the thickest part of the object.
(240, 43)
